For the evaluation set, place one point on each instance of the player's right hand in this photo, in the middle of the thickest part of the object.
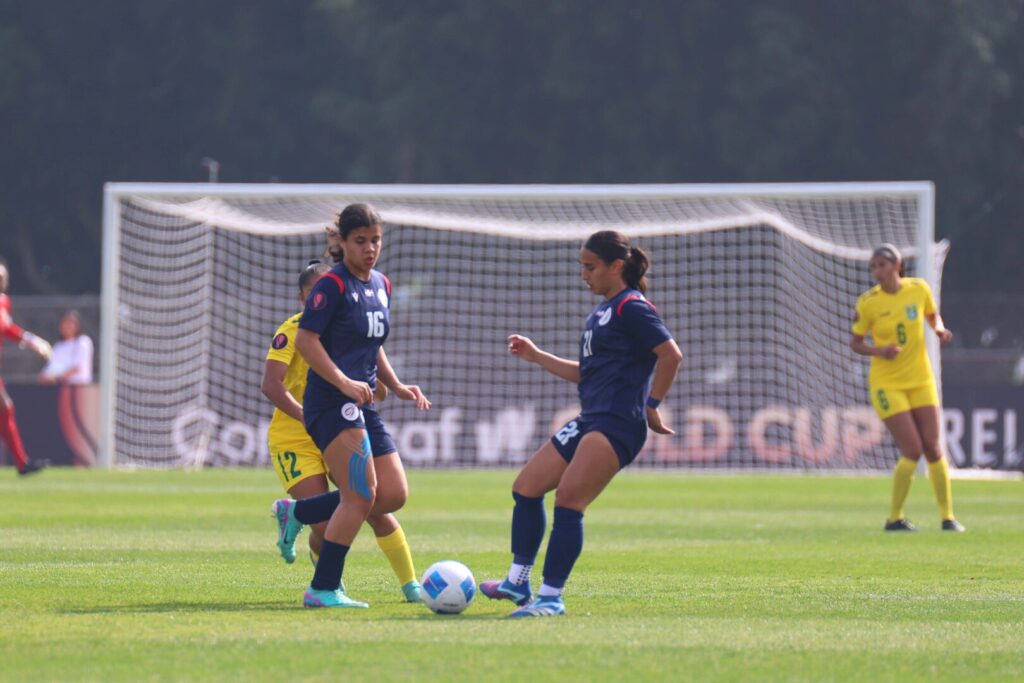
(360, 392)
(522, 347)
(38, 344)
(891, 351)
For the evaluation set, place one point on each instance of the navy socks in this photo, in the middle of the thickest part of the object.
(564, 546)
(528, 523)
(327, 576)
(318, 508)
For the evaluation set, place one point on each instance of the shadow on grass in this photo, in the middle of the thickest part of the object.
(271, 606)
(159, 607)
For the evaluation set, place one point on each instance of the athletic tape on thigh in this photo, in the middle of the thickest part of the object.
(357, 463)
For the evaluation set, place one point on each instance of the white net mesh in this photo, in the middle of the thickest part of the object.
(758, 289)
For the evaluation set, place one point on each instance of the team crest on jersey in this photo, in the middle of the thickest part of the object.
(280, 341)
(318, 301)
(382, 295)
(350, 411)
(605, 317)
(911, 312)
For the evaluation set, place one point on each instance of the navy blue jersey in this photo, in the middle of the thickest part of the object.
(352, 318)
(616, 357)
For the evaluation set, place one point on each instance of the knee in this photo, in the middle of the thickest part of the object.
(361, 502)
(932, 451)
(524, 487)
(912, 450)
(569, 499)
(390, 501)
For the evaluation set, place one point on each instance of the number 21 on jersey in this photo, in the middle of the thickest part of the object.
(588, 337)
(375, 323)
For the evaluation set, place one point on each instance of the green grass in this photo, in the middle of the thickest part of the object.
(110, 576)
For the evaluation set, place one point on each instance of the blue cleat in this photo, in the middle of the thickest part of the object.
(519, 593)
(335, 598)
(411, 591)
(543, 606)
(288, 527)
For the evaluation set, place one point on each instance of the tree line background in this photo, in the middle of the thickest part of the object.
(508, 91)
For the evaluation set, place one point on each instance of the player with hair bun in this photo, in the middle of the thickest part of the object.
(624, 344)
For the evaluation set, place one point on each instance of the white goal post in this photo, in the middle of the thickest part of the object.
(756, 281)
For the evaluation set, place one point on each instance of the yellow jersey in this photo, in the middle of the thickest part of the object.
(897, 319)
(284, 428)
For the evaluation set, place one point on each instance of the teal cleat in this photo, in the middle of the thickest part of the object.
(335, 598)
(411, 591)
(519, 593)
(543, 606)
(288, 527)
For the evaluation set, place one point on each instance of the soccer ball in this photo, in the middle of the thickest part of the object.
(448, 587)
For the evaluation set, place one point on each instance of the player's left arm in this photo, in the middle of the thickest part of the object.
(931, 314)
(941, 331)
(386, 375)
(647, 328)
(670, 357)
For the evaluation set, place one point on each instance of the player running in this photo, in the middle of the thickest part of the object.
(901, 381)
(624, 343)
(341, 334)
(9, 433)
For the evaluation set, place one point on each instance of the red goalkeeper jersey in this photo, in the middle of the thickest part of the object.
(8, 328)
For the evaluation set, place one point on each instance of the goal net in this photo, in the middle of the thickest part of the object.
(757, 282)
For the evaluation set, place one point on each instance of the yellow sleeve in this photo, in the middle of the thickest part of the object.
(929, 301)
(861, 320)
(282, 347)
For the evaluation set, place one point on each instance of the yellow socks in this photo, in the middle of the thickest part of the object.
(938, 472)
(397, 551)
(902, 477)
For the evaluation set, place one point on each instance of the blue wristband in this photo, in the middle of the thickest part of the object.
(653, 402)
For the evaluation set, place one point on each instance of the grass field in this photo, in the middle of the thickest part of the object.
(174, 576)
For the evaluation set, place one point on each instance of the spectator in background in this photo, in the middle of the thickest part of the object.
(71, 360)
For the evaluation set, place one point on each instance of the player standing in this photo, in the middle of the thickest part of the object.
(341, 335)
(901, 381)
(8, 427)
(298, 462)
(624, 343)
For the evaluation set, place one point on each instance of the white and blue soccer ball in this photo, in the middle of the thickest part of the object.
(448, 587)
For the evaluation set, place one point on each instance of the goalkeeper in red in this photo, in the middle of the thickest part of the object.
(8, 427)
(624, 344)
(901, 381)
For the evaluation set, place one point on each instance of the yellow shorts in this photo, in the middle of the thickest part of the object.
(889, 402)
(296, 460)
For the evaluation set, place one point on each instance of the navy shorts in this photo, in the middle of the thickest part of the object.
(324, 427)
(627, 437)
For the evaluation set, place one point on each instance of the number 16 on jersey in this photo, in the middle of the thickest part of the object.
(375, 324)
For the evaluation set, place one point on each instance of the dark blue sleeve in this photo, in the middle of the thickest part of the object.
(324, 301)
(643, 324)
